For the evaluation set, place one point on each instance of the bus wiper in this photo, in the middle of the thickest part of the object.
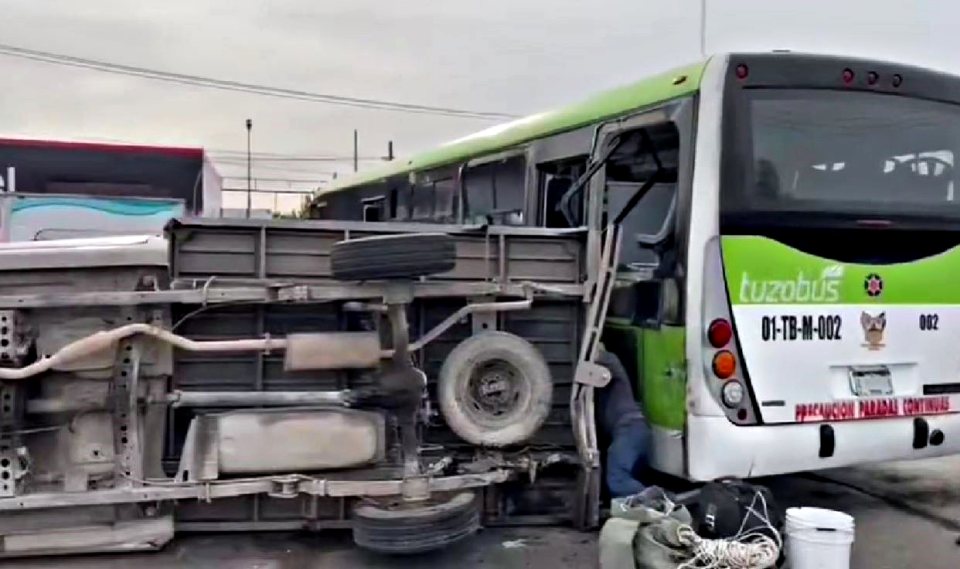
(564, 204)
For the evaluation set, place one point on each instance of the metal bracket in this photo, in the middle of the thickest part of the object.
(415, 489)
(10, 468)
(126, 420)
(474, 310)
(10, 350)
(199, 459)
(589, 373)
(483, 321)
(285, 488)
(298, 293)
(398, 293)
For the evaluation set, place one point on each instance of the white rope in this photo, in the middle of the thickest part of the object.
(753, 549)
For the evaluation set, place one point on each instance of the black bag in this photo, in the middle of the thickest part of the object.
(726, 508)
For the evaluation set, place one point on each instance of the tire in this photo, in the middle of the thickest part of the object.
(406, 256)
(404, 528)
(495, 389)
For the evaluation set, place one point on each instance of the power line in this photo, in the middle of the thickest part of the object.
(265, 156)
(292, 192)
(225, 85)
(261, 153)
(228, 158)
(278, 159)
(291, 180)
(220, 154)
(272, 168)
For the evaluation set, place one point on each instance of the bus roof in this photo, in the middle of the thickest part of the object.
(602, 106)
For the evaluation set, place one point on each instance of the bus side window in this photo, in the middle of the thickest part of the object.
(478, 193)
(445, 194)
(318, 210)
(373, 209)
(494, 192)
(400, 202)
(423, 197)
(555, 178)
(627, 170)
(509, 191)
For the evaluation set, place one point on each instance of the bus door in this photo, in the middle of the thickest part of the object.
(639, 192)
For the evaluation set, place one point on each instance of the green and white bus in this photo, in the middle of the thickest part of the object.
(789, 228)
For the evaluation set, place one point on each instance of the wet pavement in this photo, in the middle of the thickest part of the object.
(907, 515)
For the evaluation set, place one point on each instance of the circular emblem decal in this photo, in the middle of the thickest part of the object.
(873, 285)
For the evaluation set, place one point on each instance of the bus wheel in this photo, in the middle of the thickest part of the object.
(406, 256)
(399, 527)
(495, 389)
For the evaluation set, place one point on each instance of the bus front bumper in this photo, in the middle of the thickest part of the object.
(716, 448)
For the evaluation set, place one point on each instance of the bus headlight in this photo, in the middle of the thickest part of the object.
(732, 393)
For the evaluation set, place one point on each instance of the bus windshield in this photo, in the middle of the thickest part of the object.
(850, 153)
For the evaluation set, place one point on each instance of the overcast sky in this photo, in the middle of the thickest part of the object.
(512, 56)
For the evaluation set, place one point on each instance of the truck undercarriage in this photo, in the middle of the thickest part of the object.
(259, 375)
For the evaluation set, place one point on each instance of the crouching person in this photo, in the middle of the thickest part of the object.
(622, 420)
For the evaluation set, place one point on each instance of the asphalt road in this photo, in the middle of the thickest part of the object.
(907, 515)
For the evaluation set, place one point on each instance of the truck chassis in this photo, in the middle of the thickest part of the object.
(194, 382)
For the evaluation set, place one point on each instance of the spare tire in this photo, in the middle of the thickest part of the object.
(406, 256)
(399, 527)
(495, 389)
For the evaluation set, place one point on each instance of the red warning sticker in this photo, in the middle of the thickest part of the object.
(871, 409)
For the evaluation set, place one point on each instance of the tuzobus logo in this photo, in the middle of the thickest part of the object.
(826, 288)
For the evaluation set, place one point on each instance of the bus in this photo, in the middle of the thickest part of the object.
(783, 230)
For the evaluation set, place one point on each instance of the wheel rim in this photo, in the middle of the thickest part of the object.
(495, 393)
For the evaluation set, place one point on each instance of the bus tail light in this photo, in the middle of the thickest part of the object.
(732, 394)
(724, 364)
(848, 76)
(720, 332)
(724, 368)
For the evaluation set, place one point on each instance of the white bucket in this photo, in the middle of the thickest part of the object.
(818, 538)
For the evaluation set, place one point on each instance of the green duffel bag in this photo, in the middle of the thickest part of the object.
(654, 521)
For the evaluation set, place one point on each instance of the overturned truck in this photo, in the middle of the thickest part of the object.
(265, 375)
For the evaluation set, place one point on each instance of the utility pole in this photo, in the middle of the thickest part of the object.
(249, 169)
(356, 152)
(389, 155)
(703, 28)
